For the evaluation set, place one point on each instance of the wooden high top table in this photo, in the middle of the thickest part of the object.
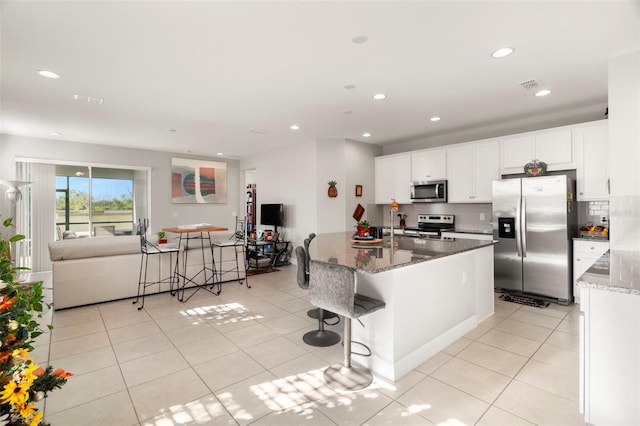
(196, 233)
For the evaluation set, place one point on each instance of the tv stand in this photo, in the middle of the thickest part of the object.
(265, 254)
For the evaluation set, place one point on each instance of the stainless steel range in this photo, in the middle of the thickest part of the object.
(431, 225)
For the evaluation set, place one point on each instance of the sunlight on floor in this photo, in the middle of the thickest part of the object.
(222, 314)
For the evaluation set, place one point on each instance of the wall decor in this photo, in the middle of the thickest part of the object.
(535, 168)
(332, 192)
(358, 190)
(198, 181)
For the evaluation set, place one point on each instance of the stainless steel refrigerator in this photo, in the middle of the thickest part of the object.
(534, 221)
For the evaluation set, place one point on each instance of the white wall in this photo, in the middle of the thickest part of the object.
(360, 171)
(505, 127)
(288, 176)
(298, 176)
(332, 165)
(163, 212)
(624, 151)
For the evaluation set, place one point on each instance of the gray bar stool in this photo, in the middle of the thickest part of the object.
(319, 337)
(333, 287)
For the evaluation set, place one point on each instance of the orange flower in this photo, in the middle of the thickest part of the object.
(38, 372)
(59, 372)
(5, 304)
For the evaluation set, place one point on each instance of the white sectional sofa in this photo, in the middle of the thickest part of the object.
(101, 269)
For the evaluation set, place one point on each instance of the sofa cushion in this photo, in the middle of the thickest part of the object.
(81, 248)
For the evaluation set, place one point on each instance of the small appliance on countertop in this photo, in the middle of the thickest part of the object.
(431, 225)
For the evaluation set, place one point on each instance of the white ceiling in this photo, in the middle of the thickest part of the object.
(216, 70)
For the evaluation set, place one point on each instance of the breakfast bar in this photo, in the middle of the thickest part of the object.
(205, 275)
(436, 290)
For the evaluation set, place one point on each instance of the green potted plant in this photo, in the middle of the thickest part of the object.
(363, 228)
(161, 237)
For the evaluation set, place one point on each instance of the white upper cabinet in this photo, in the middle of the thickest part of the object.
(470, 170)
(593, 170)
(393, 178)
(429, 165)
(553, 147)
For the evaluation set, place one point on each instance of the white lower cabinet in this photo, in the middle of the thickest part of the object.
(609, 357)
(585, 254)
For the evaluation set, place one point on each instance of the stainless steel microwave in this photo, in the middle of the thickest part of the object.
(429, 191)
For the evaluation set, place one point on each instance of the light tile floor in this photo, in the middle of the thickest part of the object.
(239, 359)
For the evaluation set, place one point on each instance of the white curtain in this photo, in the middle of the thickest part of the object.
(36, 214)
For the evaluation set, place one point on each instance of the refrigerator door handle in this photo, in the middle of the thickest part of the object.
(523, 229)
(518, 228)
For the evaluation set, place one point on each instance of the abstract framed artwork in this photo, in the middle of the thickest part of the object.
(198, 181)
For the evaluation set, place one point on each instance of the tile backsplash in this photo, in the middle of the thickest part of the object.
(593, 212)
(469, 217)
(475, 217)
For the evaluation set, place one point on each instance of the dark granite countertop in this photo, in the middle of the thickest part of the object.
(339, 248)
(616, 270)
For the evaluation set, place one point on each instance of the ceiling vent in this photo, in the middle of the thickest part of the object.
(533, 84)
(258, 131)
(88, 99)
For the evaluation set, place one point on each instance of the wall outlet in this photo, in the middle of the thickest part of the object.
(482, 216)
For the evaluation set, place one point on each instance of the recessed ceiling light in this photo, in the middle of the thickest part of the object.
(379, 96)
(219, 153)
(55, 133)
(294, 127)
(366, 135)
(502, 52)
(48, 74)
(360, 39)
(543, 92)
(436, 118)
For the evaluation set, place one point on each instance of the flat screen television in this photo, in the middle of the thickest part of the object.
(272, 214)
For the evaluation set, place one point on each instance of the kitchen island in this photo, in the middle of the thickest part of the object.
(435, 290)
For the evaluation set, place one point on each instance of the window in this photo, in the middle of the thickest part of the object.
(95, 201)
